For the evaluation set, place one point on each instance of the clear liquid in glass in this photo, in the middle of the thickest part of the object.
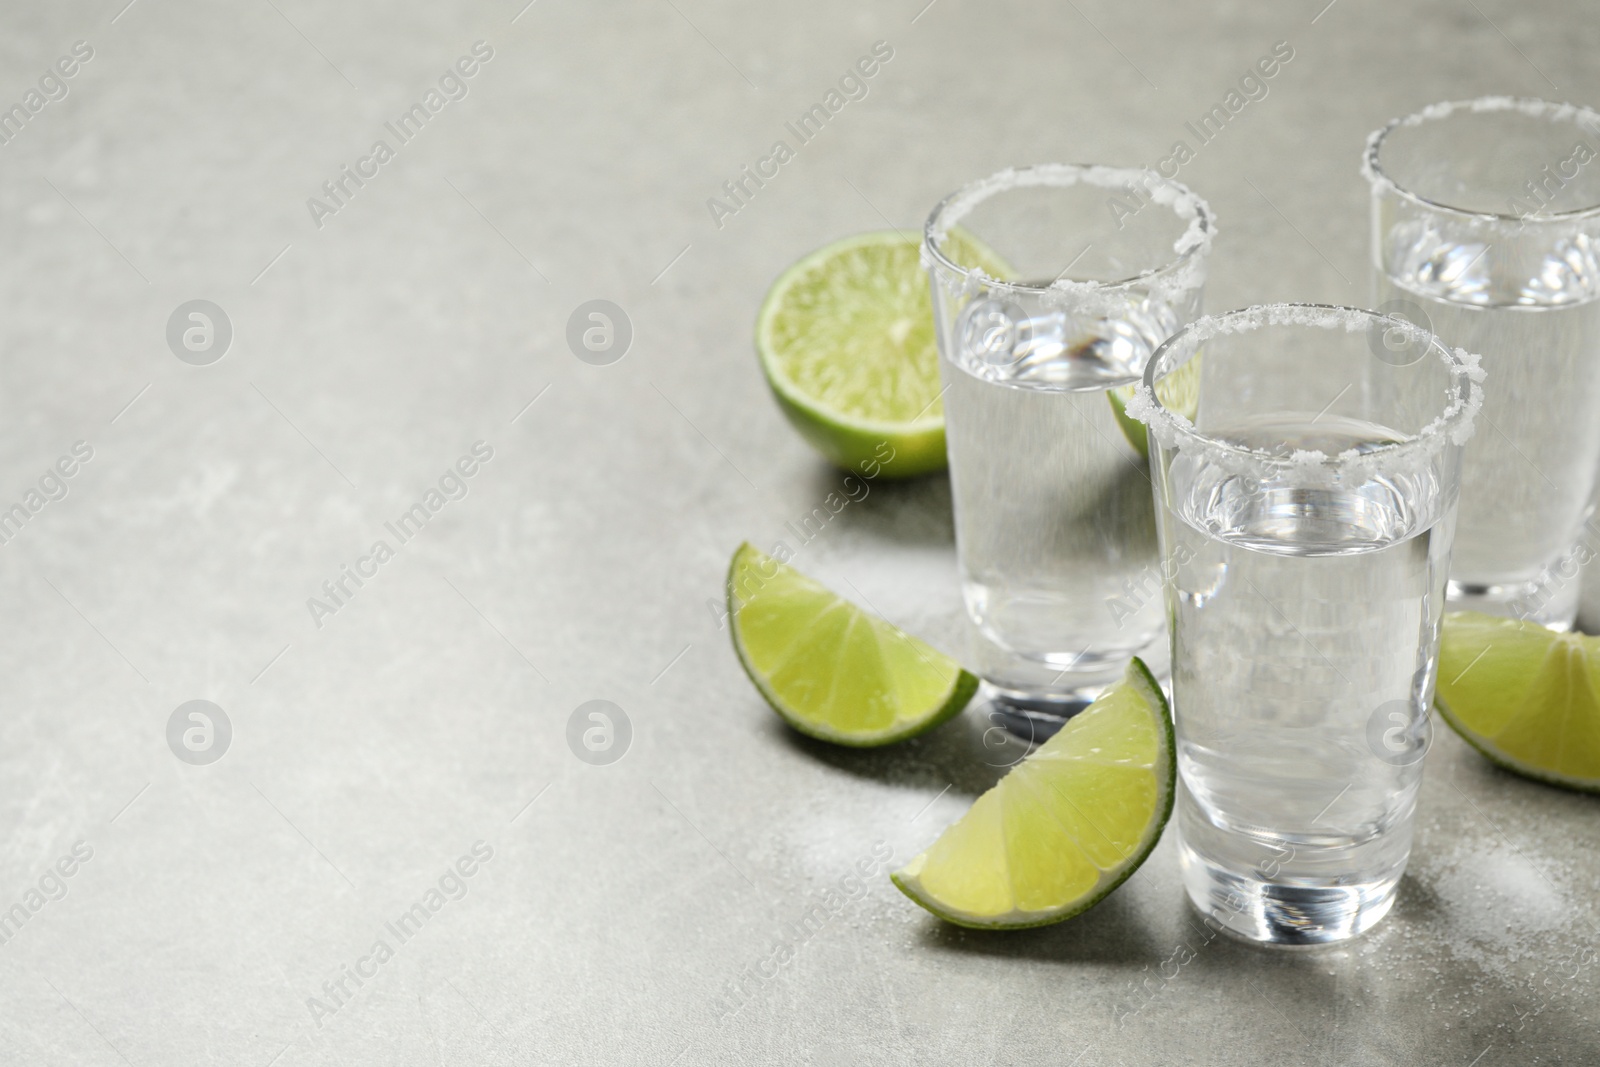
(1055, 523)
(1305, 619)
(1530, 470)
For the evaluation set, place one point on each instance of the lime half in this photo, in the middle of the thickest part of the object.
(831, 669)
(846, 341)
(1526, 697)
(1065, 826)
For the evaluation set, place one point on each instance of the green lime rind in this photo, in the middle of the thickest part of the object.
(882, 451)
(1138, 678)
(846, 341)
(798, 658)
(1527, 698)
(1517, 767)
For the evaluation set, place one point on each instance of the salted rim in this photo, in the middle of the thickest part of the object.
(1546, 109)
(1174, 431)
(1184, 271)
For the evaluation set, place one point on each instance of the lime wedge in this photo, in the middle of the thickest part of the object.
(846, 341)
(1178, 392)
(1065, 826)
(1526, 697)
(832, 670)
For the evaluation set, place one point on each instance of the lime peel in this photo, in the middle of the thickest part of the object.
(830, 669)
(1526, 697)
(846, 340)
(1064, 827)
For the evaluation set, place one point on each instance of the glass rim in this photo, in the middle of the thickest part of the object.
(1381, 182)
(1191, 246)
(1173, 430)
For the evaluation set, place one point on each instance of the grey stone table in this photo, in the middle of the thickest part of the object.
(398, 857)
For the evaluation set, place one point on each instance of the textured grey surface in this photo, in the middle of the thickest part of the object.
(623, 903)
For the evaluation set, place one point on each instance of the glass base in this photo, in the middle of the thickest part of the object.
(1281, 914)
(1033, 696)
(1035, 717)
(1553, 605)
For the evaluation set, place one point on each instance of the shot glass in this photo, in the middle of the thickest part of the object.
(1486, 230)
(1052, 285)
(1306, 493)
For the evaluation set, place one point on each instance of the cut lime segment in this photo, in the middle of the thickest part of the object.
(1526, 697)
(846, 341)
(1178, 392)
(1065, 826)
(832, 670)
